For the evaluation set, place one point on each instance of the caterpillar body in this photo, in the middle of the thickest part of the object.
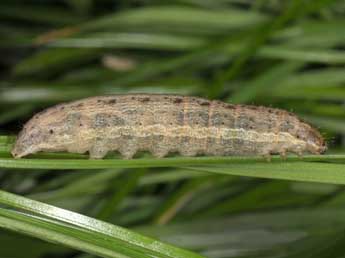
(162, 124)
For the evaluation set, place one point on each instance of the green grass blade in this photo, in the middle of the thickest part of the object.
(266, 81)
(314, 78)
(177, 18)
(39, 163)
(298, 171)
(99, 229)
(326, 56)
(54, 60)
(314, 168)
(131, 40)
(314, 33)
(62, 234)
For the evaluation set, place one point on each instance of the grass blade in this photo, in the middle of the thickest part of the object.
(40, 163)
(298, 171)
(93, 227)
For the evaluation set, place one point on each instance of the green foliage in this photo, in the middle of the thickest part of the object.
(285, 54)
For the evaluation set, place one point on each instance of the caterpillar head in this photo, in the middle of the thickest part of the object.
(41, 133)
(37, 139)
(28, 141)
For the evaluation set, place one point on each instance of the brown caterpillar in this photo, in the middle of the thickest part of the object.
(165, 123)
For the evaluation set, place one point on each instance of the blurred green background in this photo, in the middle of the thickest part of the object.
(284, 54)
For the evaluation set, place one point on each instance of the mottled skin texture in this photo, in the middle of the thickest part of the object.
(165, 123)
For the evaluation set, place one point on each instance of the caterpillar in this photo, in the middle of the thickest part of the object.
(162, 124)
